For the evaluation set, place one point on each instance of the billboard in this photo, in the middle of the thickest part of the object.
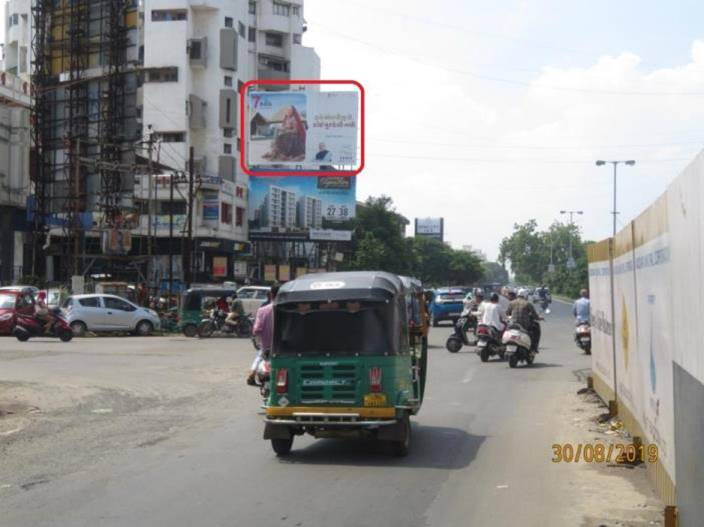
(430, 228)
(293, 207)
(302, 128)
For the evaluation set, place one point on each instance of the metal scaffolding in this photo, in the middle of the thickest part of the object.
(85, 63)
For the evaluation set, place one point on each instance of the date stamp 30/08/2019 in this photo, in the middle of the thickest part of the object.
(604, 453)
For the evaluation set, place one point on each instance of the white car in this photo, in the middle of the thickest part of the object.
(252, 297)
(108, 313)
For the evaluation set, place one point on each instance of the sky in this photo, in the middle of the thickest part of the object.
(492, 113)
(489, 113)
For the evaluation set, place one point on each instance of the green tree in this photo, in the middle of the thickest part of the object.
(465, 268)
(527, 252)
(494, 272)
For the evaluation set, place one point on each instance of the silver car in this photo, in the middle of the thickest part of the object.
(108, 313)
(252, 297)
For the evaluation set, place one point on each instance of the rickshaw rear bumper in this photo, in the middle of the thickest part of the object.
(280, 422)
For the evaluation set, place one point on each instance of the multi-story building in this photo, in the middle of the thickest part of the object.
(131, 88)
(14, 174)
(279, 208)
(310, 212)
(17, 48)
(197, 56)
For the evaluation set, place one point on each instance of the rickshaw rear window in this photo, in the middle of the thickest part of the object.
(344, 328)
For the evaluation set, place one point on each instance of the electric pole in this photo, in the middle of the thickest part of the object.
(188, 240)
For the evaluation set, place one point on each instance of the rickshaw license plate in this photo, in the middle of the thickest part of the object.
(375, 399)
(511, 348)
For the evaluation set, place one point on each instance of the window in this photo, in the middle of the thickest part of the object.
(226, 213)
(228, 110)
(242, 29)
(162, 75)
(172, 137)
(252, 8)
(296, 10)
(168, 15)
(273, 63)
(282, 9)
(229, 22)
(91, 301)
(252, 35)
(227, 132)
(239, 217)
(195, 49)
(238, 144)
(228, 80)
(275, 39)
(297, 39)
(116, 303)
(227, 148)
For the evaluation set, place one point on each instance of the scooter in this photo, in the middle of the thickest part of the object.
(583, 337)
(217, 322)
(519, 347)
(262, 376)
(489, 342)
(28, 326)
(460, 335)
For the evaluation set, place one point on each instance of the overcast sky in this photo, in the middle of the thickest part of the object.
(493, 112)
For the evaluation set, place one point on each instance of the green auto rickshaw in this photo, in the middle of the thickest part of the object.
(344, 361)
(193, 304)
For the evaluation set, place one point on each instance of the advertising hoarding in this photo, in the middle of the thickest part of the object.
(292, 207)
(302, 128)
(430, 228)
(219, 266)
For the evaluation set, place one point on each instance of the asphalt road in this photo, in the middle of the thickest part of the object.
(162, 431)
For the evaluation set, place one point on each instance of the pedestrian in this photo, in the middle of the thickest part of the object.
(264, 329)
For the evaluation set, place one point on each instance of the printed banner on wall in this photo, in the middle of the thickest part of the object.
(302, 128)
(219, 266)
(601, 320)
(291, 206)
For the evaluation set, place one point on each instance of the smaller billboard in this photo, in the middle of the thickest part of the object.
(430, 228)
(219, 266)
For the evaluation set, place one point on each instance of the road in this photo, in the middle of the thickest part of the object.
(163, 431)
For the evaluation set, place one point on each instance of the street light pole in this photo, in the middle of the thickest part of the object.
(570, 262)
(614, 409)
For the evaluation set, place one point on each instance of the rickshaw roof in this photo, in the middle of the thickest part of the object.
(354, 285)
(411, 283)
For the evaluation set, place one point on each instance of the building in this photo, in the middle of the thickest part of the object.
(14, 175)
(310, 213)
(191, 99)
(126, 91)
(279, 208)
(17, 48)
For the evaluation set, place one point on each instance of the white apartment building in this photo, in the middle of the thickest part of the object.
(310, 212)
(197, 56)
(15, 143)
(17, 48)
(279, 208)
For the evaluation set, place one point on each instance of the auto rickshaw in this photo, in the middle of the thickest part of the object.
(193, 303)
(342, 363)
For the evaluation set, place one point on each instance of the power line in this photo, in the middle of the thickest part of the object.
(498, 79)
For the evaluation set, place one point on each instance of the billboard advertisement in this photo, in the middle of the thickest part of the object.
(302, 128)
(430, 227)
(291, 207)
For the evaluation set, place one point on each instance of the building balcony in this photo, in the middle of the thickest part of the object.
(275, 75)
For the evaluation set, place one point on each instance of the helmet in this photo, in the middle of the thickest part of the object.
(523, 293)
(510, 291)
(479, 293)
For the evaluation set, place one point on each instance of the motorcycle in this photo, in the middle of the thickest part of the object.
(459, 337)
(583, 337)
(28, 326)
(217, 322)
(519, 347)
(489, 342)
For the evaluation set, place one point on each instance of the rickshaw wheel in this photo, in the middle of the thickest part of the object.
(282, 447)
(190, 330)
(402, 447)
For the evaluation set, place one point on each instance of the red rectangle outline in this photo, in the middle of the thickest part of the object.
(243, 141)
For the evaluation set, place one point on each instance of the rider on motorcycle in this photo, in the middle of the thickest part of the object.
(491, 314)
(580, 310)
(523, 313)
(42, 313)
(235, 312)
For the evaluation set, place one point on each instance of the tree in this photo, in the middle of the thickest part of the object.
(527, 252)
(494, 272)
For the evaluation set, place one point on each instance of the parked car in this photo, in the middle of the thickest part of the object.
(252, 297)
(108, 313)
(12, 301)
(447, 304)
